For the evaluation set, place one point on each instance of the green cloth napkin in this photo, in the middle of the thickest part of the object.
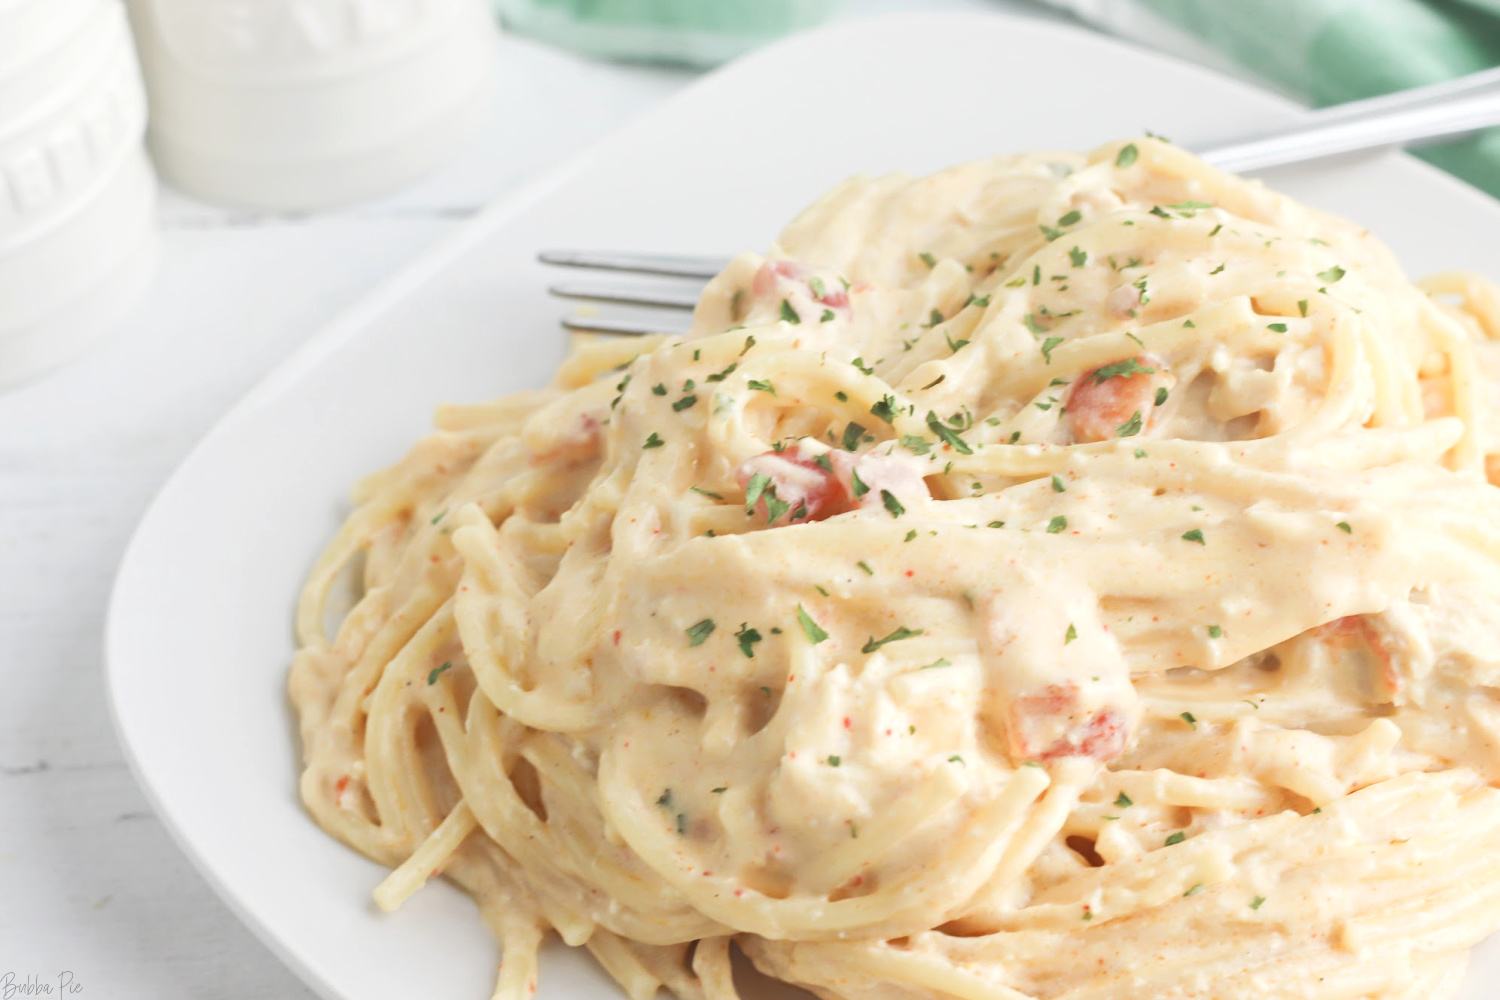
(1332, 51)
(691, 32)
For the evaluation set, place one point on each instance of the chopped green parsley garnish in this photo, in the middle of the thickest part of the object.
(1331, 275)
(1126, 156)
(748, 637)
(947, 434)
(659, 389)
(721, 376)
(1257, 902)
(902, 632)
(910, 535)
(654, 441)
(928, 259)
(1070, 219)
(788, 314)
(827, 317)
(810, 628)
(981, 301)
(1190, 719)
(1215, 632)
(707, 493)
(684, 403)
(1194, 890)
(857, 484)
(1123, 801)
(885, 409)
(1131, 427)
(866, 567)
(939, 662)
(437, 672)
(1048, 345)
(914, 444)
(1058, 523)
(1345, 528)
(1276, 327)
(1070, 634)
(852, 434)
(1176, 838)
(1120, 369)
(891, 503)
(860, 364)
(1196, 535)
(699, 632)
(1033, 325)
(775, 508)
(1078, 256)
(760, 385)
(1057, 485)
(834, 760)
(933, 319)
(1302, 306)
(1161, 394)
(754, 488)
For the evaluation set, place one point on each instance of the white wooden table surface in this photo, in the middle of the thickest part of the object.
(90, 883)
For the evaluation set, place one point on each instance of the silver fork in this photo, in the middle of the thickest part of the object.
(1442, 110)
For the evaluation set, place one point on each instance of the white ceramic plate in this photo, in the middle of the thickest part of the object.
(199, 633)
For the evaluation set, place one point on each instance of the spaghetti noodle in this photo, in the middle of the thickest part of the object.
(1058, 577)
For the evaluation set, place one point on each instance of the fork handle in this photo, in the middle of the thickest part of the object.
(1450, 108)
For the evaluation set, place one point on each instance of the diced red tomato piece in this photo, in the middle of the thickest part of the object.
(1102, 406)
(780, 279)
(812, 491)
(1035, 721)
(819, 485)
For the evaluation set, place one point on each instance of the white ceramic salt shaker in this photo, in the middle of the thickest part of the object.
(304, 104)
(77, 196)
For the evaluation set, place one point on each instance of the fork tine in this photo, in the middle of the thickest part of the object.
(672, 265)
(625, 295)
(628, 328)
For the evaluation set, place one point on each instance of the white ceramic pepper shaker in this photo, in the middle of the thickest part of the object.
(77, 195)
(305, 104)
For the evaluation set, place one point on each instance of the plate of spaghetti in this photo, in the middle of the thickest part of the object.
(1070, 573)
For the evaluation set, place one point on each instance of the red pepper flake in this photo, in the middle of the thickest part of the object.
(847, 723)
(911, 572)
(617, 637)
(343, 784)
